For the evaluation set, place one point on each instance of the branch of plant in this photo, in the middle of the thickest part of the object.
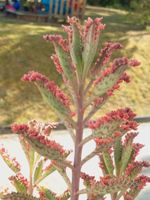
(78, 150)
(88, 86)
(30, 188)
(63, 173)
(67, 164)
(70, 130)
(95, 109)
(88, 157)
(83, 191)
(85, 140)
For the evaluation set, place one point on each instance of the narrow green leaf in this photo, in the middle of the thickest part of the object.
(38, 171)
(45, 151)
(11, 163)
(76, 50)
(65, 62)
(47, 172)
(90, 50)
(107, 129)
(108, 162)
(19, 186)
(48, 193)
(126, 154)
(117, 153)
(108, 82)
(28, 150)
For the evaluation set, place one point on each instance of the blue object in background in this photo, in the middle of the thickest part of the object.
(47, 5)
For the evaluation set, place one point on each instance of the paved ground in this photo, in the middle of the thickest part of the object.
(14, 148)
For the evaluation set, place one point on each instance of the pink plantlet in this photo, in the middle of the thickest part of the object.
(18, 128)
(49, 85)
(69, 32)
(106, 52)
(55, 59)
(97, 27)
(140, 182)
(128, 197)
(124, 115)
(11, 162)
(136, 166)
(134, 63)
(19, 177)
(136, 149)
(58, 39)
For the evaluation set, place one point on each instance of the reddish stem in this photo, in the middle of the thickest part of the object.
(78, 149)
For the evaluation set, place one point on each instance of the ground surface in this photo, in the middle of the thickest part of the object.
(22, 48)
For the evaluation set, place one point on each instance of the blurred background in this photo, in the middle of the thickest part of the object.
(23, 49)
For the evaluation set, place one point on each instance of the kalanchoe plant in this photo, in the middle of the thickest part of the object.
(90, 77)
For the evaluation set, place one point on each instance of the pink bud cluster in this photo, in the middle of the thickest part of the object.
(87, 178)
(33, 76)
(97, 27)
(19, 128)
(128, 197)
(134, 63)
(12, 161)
(57, 39)
(42, 128)
(49, 85)
(43, 195)
(122, 115)
(129, 138)
(107, 182)
(113, 181)
(69, 32)
(140, 182)
(106, 52)
(124, 77)
(55, 59)
(98, 101)
(31, 133)
(104, 143)
(136, 148)
(73, 21)
(117, 63)
(19, 177)
(136, 166)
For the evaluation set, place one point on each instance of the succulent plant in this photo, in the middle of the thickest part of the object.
(90, 77)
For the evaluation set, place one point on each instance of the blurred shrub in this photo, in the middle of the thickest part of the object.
(142, 7)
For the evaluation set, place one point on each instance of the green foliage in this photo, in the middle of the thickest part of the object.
(10, 164)
(108, 162)
(38, 170)
(62, 111)
(49, 195)
(19, 186)
(76, 49)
